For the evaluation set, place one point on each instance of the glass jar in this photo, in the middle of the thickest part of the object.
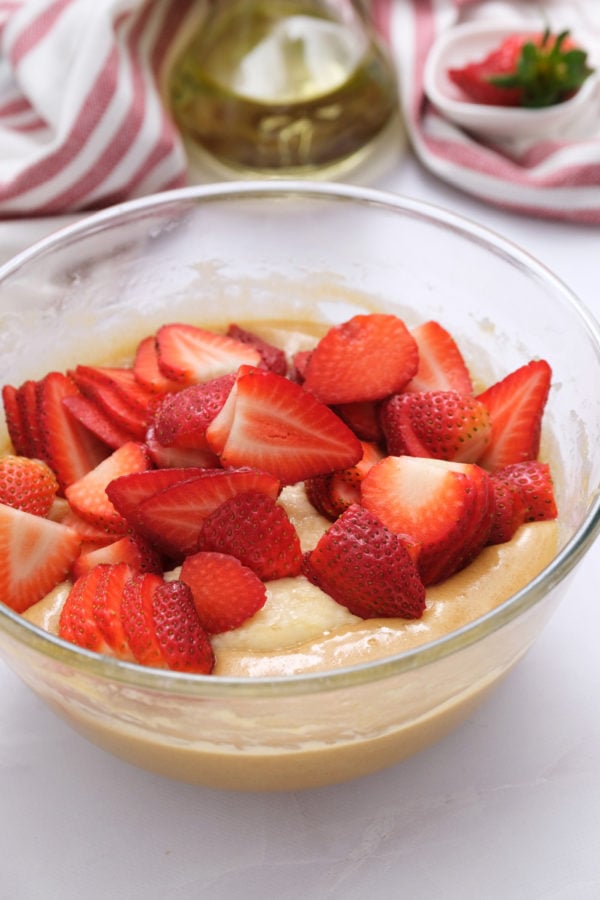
(280, 86)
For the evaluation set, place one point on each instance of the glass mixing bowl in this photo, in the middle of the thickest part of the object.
(285, 250)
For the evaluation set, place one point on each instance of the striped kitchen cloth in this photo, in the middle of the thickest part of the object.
(82, 123)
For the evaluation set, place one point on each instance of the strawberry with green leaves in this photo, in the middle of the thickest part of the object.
(533, 71)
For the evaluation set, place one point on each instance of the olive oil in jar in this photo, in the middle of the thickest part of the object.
(283, 85)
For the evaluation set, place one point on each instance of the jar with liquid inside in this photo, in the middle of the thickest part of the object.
(283, 85)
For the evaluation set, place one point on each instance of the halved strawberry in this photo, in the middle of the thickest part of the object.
(191, 355)
(179, 457)
(68, 447)
(509, 511)
(366, 568)
(226, 593)
(137, 619)
(273, 358)
(532, 480)
(184, 644)
(35, 555)
(256, 530)
(27, 484)
(15, 424)
(441, 364)
(438, 424)
(516, 405)
(172, 518)
(147, 371)
(181, 419)
(131, 549)
(88, 497)
(272, 424)
(446, 506)
(365, 358)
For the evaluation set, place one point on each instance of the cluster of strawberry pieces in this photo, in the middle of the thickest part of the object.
(119, 475)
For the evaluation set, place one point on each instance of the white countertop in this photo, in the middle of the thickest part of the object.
(506, 808)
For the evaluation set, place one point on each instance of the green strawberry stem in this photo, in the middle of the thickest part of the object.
(546, 73)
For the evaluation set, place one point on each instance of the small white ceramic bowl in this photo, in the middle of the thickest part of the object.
(473, 41)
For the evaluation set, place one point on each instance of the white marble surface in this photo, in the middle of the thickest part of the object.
(507, 808)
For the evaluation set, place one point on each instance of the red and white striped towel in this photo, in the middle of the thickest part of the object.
(82, 124)
(553, 178)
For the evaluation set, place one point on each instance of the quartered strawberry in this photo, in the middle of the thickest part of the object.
(184, 644)
(532, 480)
(226, 593)
(179, 457)
(67, 446)
(273, 358)
(172, 518)
(441, 364)
(191, 355)
(445, 506)
(438, 424)
(131, 549)
(181, 419)
(534, 70)
(88, 497)
(516, 405)
(27, 484)
(366, 568)
(35, 555)
(366, 358)
(272, 424)
(256, 530)
(147, 371)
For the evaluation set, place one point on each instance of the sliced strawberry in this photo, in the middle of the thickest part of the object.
(27, 400)
(441, 364)
(366, 358)
(509, 511)
(35, 555)
(179, 457)
(272, 357)
(333, 493)
(131, 549)
(367, 568)
(70, 450)
(516, 405)
(181, 419)
(446, 506)
(363, 419)
(27, 484)
(114, 394)
(77, 622)
(272, 424)
(225, 592)
(191, 355)
(437, 424)
(17, 428)
(184, 644)
(93, 417)
(127, 492)
(93, 536)
(106, 607)
(147, 371)
(532, 480)
(172, 518)
(88, 497)
(138, 621)
(256, 530)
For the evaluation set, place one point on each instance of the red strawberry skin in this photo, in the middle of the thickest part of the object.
(225, 592)
(366, 568)
(183, 642)
(272, 357)
(137, 619)
(257, 531)
(516, 405)
(366, 358)
(436, 424)
(442, 366)
(532, 481)
(27, 484)
(182, 418)
(272, 424)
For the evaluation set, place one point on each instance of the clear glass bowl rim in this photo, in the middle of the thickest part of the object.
(209, 686)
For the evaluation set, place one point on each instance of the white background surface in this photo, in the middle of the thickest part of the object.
(506, 808)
